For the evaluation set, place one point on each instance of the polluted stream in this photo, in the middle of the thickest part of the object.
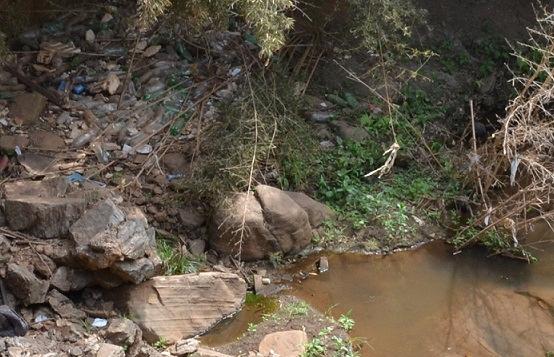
(431, 302)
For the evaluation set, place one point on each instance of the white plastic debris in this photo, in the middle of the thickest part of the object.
(41, 318)
(99, 323)
(144, 149)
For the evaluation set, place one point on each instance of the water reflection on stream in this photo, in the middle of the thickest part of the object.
(429, 303)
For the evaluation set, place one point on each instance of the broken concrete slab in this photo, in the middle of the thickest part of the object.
(183, 306)
(25, 285)
(43, 217)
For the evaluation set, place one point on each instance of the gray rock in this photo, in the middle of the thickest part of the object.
(43, 217)
(54, 187)
(107, 236)
(183, 306)
(184, 347)
(197, 246)
(347, 131)
(109, 350)
(190, 217)
(257, 241)
(134, 271)
(64, 307)
(69, 279)
(121, 331)
(323, 265)
(321, 117)
(25, 285)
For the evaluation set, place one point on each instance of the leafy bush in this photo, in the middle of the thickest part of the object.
(268, 17)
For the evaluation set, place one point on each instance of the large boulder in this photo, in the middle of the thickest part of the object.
(256, 241)
(271, 221)
(317, 211)
(183, 306)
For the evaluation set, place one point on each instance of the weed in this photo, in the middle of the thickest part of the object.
(290, 310)
(295, 309)
(87, 325)
(175, 262)
(332, 233)
(252, 327)
(346, 321)
(343, 348)
(161, 343)
(316, 346)
(276, 259)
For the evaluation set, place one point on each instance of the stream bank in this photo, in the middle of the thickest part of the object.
(162, 146)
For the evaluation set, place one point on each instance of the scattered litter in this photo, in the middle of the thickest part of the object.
(99, 322)
(18, 151)
(171, 177)
(90, 36)
(144, 149)
(79, 89)
(41, 318)
(76, 177)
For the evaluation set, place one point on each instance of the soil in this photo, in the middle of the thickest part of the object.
(312, 322)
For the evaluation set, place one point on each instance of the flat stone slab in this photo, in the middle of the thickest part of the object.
(182, 306)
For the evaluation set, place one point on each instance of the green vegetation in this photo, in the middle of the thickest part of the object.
(291, 310)
(385, 24)
(295, 309)
(174, 262)
(161, 344)
(266, 134)
(316, 346)
(332, 233)
(388, 202)
(343, 347)
(346, 321)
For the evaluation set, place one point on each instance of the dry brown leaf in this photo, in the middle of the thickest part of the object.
(152, 50)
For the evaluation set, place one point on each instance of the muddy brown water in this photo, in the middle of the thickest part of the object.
(429, 302)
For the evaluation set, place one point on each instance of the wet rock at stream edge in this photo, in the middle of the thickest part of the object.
(275, 221)
(182, 306)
